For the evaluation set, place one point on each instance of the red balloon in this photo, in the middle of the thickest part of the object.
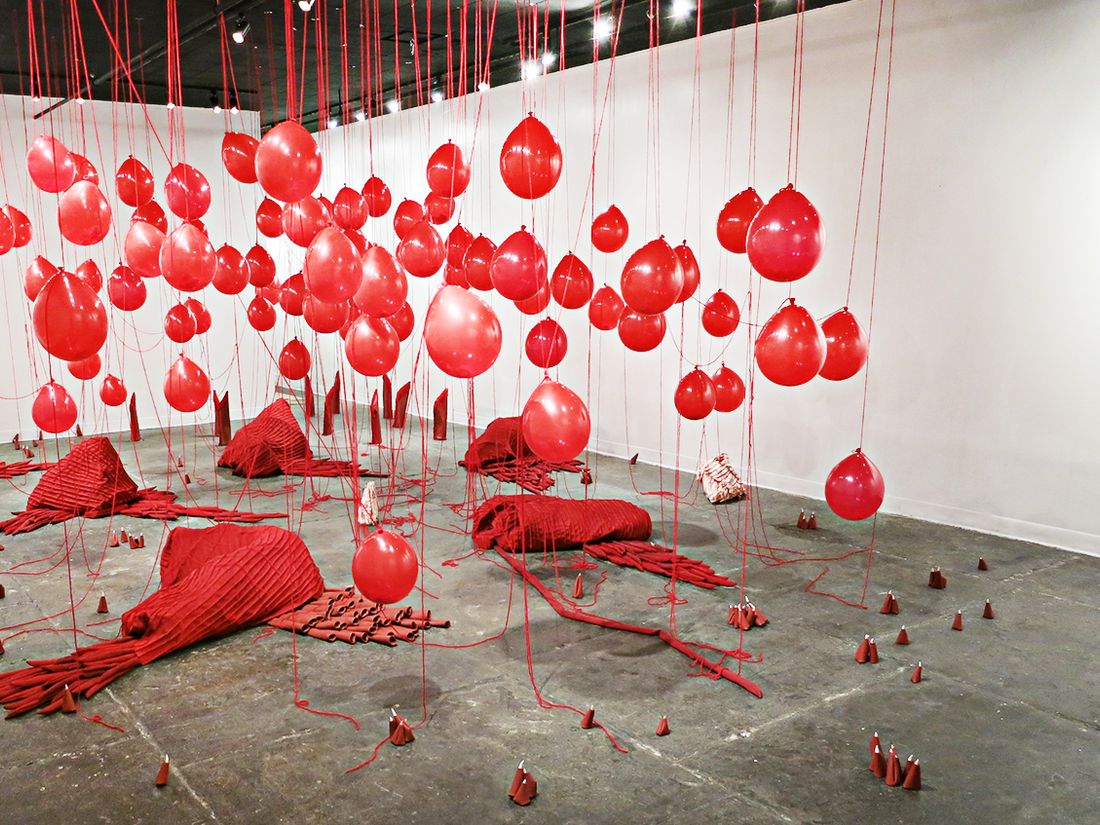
(571, 284)
(845, 346)
(371, 346)
(269, 218)
(729, 389)
(151, 213)
(303, 220)
(179, 324)
(113, 391)
(641, 332)
(69, 319)
(438, 208)
(50, 164)
(448, 173)
(462, 333)
(270, 293)
(356, 237)
(421, 250)
(610, 230)
(476, 262)
(555, 422)
(378, 197)
(786, 237)
(294, 360)
(537, 303)
(83, 214)
(690, 267)
(134, 182)
(53, 409)
(86, 368)
(261, 314)
(855, 488)
(85, 169)
(200, 313)
(606, 308)
(403, 322)
(187, 191)
(326, 206)
(292, 294)
(695, 396)
(261, 266)
(384, 567)
(89, 273)
(125, 289)
(518, 267)
(239, 156)
(455, 275)
(21, 226)
(186, 386)
(38, 274)
(333, 266)
(384, 287)
(323, 317)
(288, 162)
(790, 349)
(231, 274)
(736, 217)
(458, 243)
(349, 210)
(546, 343)
(187, 259)
(530, 160)
(407, 215)
(652, 278)
(142, 248)
(721, 315)
(7, 232)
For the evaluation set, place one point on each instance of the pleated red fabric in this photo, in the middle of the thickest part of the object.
(534, 524)
(21, 468)
(502, 452)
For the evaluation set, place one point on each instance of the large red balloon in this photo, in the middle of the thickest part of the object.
(186, 386)
(141, 248)
(231, 274)
(695, 396)
(349, 209)
(87, 368)
(606, 308)
(407, 215)
(113, 391)
(845, 344)
(546, 343)
(21, 226)
(790, 349)
(269, 218)
(736, 217)
(187, 259)
(261, 266)
(641, 332)
(555, 422)
(421, 250)
(187, 192)
(333, 267)
(372, 346)
(134, 182)
(462, 333)
(537, 303)
(729, 389)
(378, 197)
(323, 317)
(288, 162)
(179, 324)
(125, 289)
(384, 567)
(50, 164)
(476, 262)
(239, 156)
(89, 273)
(304, 219)
(518, 267)
(448, 173)
(294, 360)
(855, 488)
(84, 214)
(38, 273)
(151, 213)
(458, 243)
(690, 266)
(530, 160)
(69, 319)
(571, 284)
(438, 208)
(292, 294)
(610, 230)
(384, 287)
(786, 237)
(261, 314)
(652, 278)
(721, 315)
(53, 409)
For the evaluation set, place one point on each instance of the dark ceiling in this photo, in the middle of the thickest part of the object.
(139, 27)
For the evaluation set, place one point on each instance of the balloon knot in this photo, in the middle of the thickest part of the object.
(792, 301)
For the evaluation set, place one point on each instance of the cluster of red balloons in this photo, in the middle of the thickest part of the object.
(698, 394)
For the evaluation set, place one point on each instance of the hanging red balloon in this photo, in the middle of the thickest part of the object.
(326, 207)
(294, 360)
(85, 169)
(270, 293)
(384, 287)
(855, 488)
(125, 289)
(371, 346)
(21, 226)
(476, 262)
(845, 346)
(695, 395)
(356, 237)
(7, 233)
(269, 218)
(349, 209)
(83, 214)
(186, 386)
(151, 213)
(407, 215)
(288, 162)
(179, 324)
(303, 220)
(239, 156)
(448, 173)
(69, 319)
(200, 313)
(187, 259)
(729, 389)
(378, 197)
(690, 267)
(53, 409)
(324, 317)
(89, 273)
(134, 182)
(38, 273)
(384, 567)
(652, 278)
(333, 267)
(261, 266)
(610, 230)
(112, 392)
(546, 344)
(786, 237)
(518, 267)
(438, 208)
(141, 248)
(455, 275)
(231, 274)
(86, 368)
(790, 349)
(292, 294)
(530, 160)
(721, 315)
(458, 243)
(606, 308)
(421, 250)
(261, 314)
(736, 217)
(50, 164)
(640, 332)
(187, 191)
(555, 422)
(537, 303)
(462, 333)
(403, 322)
(571, 284)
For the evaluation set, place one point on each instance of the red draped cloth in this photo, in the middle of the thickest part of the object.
(502, 452)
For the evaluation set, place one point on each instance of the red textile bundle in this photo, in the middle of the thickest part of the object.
(502, 452)
(21, 468)
(214, 581)
(91, 482)
(344, 616)
(520, 524)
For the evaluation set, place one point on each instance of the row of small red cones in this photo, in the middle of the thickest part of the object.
(807, 523)
(122, 537)
(890, 769)
(746, 616)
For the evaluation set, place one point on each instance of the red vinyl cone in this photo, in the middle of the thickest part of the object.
(122, 536)
(893, 768)
(102, 608)
(134, 543)
(903, 637)
(958, 623)
(662, 727)
(982, 563)
(402, 734)
(758, 617)
(912, 777)
(875, 742)
(68, 704)
(2, 591)
(801, 519)
(811, 522)
(887, 603)
(162, 774)
(517, 780)
(633, 459)
(733, 616)
(586, 476)
(864, 650)
(523, 795)
(878, 763)
(588, 721)
(578, 587)
(113, 541)
(872, 652)
(918, 673)
(987, 612)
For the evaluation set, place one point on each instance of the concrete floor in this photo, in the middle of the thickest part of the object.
(1005, 722)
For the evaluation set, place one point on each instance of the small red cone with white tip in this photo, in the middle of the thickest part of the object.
(123, 536)
(801, 519)
(903, 637)
(162, 774)
(68, 704)
(875, 742)
(734, 616)
(578, 587)
(987, 612)
(872, 652)
(758, 617)
(936, 579)
(113, 541)
(918, 674)
(662, 727)
(525, 792)
(517, 779)
(863, 651)
(102, 608)
(957, 624)
(893, 768)
(982, 563)
(912, 777)
(878, 763)
(588, 721)
(811, 522)
(890, 604)
(400, 732)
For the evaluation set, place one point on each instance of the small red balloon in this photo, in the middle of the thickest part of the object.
(288, 162)
(85, 169)
(790, 349)
(231, 274)
(384, 567)
(200, 313)
(186, 386)
(372, 346)
(606, 309)
(476, 262)
(403, 322)
(86, 368)
(458, 243)
(537, 303)
(333, 267)
(50, 164)
(294, 360)
(187, 259)
(721, 315)
(292, 294)
(269, 218)
(462, 333)
(641, 332)
(571, 284)
(546, 344)
(83, 214)
(518, 267)
(652, 278)
(555, 422)
(89, 273)
(845, 346)
(112, 392)
(384, 287)
(349, 209)
(421, 250)
(610, 230)
(261, 266)
(530, 160)
(261, 314)
(151, 213)
(786, 237)
(324, 317)
(855, 488)
(187, 191)
(407, 215)
(53, 409)
(141, 248)
(21, 226)
(729, 389)
(736, 217)
(7, 232)
(378, 197)
(690, 267)
(695, 396)
(455, 275)
(438, 208)
(125, 289)
(448, 173)
(69, 319)
(239, 156)
(303, 220)
(38, 273)
(134, 183)
(179, 324)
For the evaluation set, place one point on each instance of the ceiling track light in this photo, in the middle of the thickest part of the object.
(215, 104)
(241, 28)
(305, 5)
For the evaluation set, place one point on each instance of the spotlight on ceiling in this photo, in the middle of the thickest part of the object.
(215, 104)
(168, 105)
(483, 86)
(241, 29)
(602, 29)
(531, 69)
(437, 96)
(360, 116)
(682, 9)
(548, 59)
(393, 105)
(305, 5)
(332, 122)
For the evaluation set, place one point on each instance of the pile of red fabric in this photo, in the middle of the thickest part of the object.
(273, 443)
(21, 468)
(344, 616)
(502, 452)
(91, 482)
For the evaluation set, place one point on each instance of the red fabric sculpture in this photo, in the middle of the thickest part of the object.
(535, 524)
(502, 452)
(91, 482)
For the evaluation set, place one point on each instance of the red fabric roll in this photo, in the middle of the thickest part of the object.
(502, 452)
(541, 523)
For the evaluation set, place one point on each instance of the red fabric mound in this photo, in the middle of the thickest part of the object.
(273, 443)
(653, 558)
(343, 616)
(532, 524)
(21, 468)
(502, 452)
(91, 482)
(214, 581)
